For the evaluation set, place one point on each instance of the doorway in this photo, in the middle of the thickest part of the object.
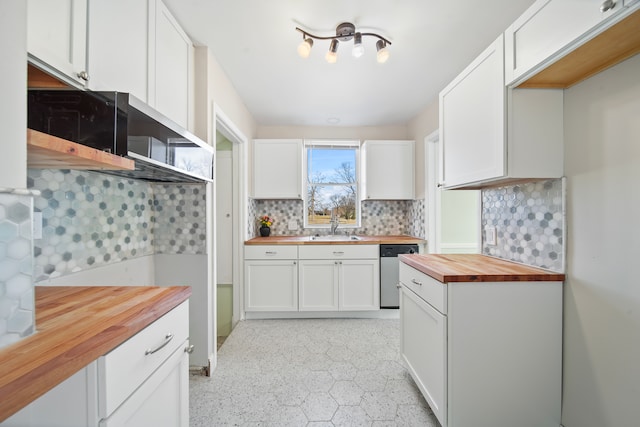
(229, 215)
(453, 216)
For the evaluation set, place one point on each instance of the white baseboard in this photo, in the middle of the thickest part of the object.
(459, 248)
(377, 314)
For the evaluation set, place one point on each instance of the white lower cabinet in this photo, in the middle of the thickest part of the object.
(484, 353)
(424, 348)
(144, 382)
(271, 278)
(331, 278)
(318, 285)
(339, 278)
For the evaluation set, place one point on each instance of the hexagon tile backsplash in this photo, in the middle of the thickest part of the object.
(92, 219)
(17, 316)
(530, 223)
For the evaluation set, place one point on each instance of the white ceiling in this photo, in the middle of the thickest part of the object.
(255, 42)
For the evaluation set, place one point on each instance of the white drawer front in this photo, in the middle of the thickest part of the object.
(428, 288)
(123, 369)
(339, 251)
(271, 252)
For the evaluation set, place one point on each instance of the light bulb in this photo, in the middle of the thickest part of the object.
(358, 48)
(383, 52)
(332, 55)
(304, 48)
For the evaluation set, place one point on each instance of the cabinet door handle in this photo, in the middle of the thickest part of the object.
(83, 75)
(607, 5)
(294, 262)
(270, 252)
(338, 253)
(167, 340)
(398, 285)
(189, 349)
(415, 282)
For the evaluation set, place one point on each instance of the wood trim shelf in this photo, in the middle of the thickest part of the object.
(50, 152)
(611, 47)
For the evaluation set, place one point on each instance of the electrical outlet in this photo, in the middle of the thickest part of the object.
(293, 224)
(490, 236)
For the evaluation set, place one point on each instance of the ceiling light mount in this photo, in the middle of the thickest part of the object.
(344, 32)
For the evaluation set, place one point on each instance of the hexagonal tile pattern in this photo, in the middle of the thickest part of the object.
(17, 316)
(529, 221)
(245, 390)
(376, 217)
(92, 219)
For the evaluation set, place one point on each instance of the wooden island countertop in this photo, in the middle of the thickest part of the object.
(75, 325)
(363, 240)
(448, 268)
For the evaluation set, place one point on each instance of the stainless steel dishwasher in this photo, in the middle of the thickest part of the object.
(389, 273)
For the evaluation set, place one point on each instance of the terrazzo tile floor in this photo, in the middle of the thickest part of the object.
(310, 372)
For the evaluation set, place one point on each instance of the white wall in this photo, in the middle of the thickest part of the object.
(333, 132)
(131, 272)
(213, 86)
(420, 127)
(602, 296)
(13, 103)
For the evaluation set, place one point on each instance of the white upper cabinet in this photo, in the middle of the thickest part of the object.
(173, 68)
(388, 171)
(492, 134)
(550, 29)
(57, 38)
(147, 54)
(119, 58)
(277, 169)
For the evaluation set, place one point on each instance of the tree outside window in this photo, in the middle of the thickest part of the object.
(332, 184)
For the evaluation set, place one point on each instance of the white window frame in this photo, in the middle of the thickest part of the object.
(331, 143)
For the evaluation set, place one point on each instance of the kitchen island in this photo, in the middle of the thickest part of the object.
(482, 338)
(75, 326)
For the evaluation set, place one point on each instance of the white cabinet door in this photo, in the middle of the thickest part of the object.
(544, 30)
(119, 55)
(319, 285)
(388, 170)
(472, 125)
(161, 401)
(277, 169)
(423, 345)
(57, 37)
(491, 133)
(359, 285)
(173, 68)
(271, 285)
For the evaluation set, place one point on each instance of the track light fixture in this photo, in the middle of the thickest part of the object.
(344, 32)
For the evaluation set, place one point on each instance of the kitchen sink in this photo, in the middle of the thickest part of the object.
(334, 238)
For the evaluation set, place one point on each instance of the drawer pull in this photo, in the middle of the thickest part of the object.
(271, 253)
(415, 282)
(338, 252)
(167, 340)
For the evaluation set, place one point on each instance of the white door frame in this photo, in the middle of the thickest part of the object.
(223, 124)
(432, 162)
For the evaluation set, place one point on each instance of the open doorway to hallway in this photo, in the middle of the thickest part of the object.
(453, 216)
(229, 217)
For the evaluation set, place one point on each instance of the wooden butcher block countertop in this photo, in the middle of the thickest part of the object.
(306, 240)
(477, 268)
(76, 325)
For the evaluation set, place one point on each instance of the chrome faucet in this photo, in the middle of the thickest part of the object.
(335, 221)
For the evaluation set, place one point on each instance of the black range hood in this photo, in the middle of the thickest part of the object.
(123, 125)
